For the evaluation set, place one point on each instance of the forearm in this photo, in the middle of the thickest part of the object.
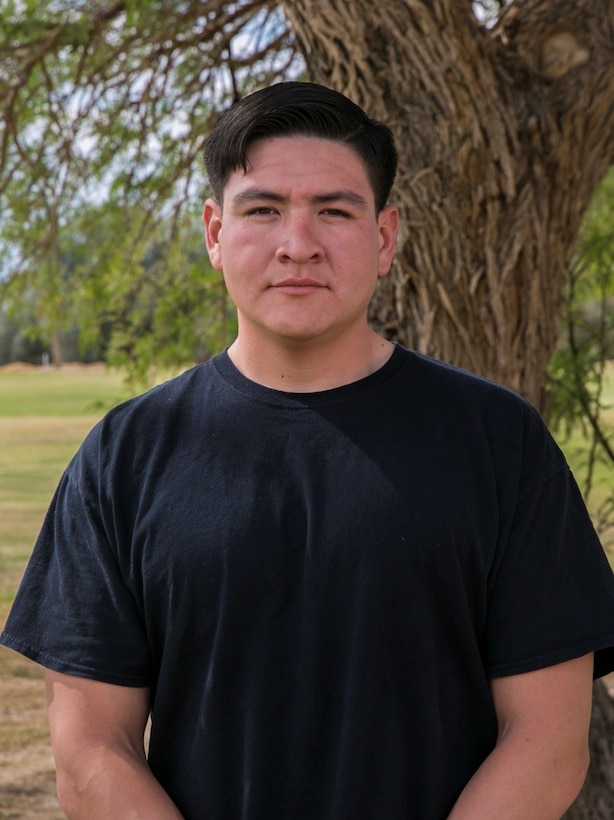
(521, 780)
(109, 783)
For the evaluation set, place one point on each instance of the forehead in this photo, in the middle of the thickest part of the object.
(301, 160)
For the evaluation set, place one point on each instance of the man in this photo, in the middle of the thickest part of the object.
(347, 581)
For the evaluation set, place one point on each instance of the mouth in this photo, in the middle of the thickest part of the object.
(298, 285)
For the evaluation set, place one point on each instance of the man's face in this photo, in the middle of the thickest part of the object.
(298, 240)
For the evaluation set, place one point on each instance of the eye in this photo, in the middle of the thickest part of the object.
(261, 210)
(336, 212)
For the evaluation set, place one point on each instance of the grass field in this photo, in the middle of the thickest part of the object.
(44, 415)
(66, 393)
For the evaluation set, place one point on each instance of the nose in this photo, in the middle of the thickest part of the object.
(299, 242)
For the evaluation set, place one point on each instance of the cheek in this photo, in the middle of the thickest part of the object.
(239, 283)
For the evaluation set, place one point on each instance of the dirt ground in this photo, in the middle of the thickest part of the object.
(27, 367)
(27, 779)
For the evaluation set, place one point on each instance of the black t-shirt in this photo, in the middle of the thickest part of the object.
(317, 587)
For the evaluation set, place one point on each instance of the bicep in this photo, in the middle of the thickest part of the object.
(552, 704)
(85, 713)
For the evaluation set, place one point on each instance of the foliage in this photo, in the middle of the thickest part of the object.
(21, 341)
(116, 99)
(105, 110)
(145, 299)
(578, 367)
(152, 299)
(15, 344)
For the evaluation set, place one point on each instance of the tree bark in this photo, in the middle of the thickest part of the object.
(596, 800)
(503, 135)
(56, 349)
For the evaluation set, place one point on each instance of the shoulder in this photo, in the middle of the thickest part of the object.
(438, 374)
(167, 398)
(460, 391)
(486, 413)
(146, 425)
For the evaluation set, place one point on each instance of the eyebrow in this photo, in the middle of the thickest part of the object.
(263, 195)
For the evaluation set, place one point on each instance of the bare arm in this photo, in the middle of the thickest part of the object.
(97, 739)
(539, 763)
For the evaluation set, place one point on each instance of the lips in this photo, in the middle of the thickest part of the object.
(298, 283)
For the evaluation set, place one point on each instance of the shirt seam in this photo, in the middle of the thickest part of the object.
(48, 660)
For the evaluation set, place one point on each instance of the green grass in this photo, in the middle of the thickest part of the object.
(44, 416)
(65, 392)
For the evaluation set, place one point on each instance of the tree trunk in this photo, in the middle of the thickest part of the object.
(56, 349)
(503, 135)
(596, 800)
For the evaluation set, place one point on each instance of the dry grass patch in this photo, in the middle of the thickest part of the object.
(33, 453)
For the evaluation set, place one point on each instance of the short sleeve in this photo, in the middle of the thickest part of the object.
(73, 612)
(553, 595)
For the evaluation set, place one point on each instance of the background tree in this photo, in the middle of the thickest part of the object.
(105, 109)
(15, 344)
(504, 133)
(578, 369)
(505, 127)
(577, 372)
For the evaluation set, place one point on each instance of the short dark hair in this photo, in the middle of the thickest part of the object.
(300, 109)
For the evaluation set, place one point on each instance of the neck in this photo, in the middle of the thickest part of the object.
(309, 367)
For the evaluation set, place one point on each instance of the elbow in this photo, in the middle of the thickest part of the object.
(571, 776)
(75, 783)
(577, 772)
(67, 793)
(584, 763)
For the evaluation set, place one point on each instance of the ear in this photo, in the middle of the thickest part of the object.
(387, 226)
(212, 218)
